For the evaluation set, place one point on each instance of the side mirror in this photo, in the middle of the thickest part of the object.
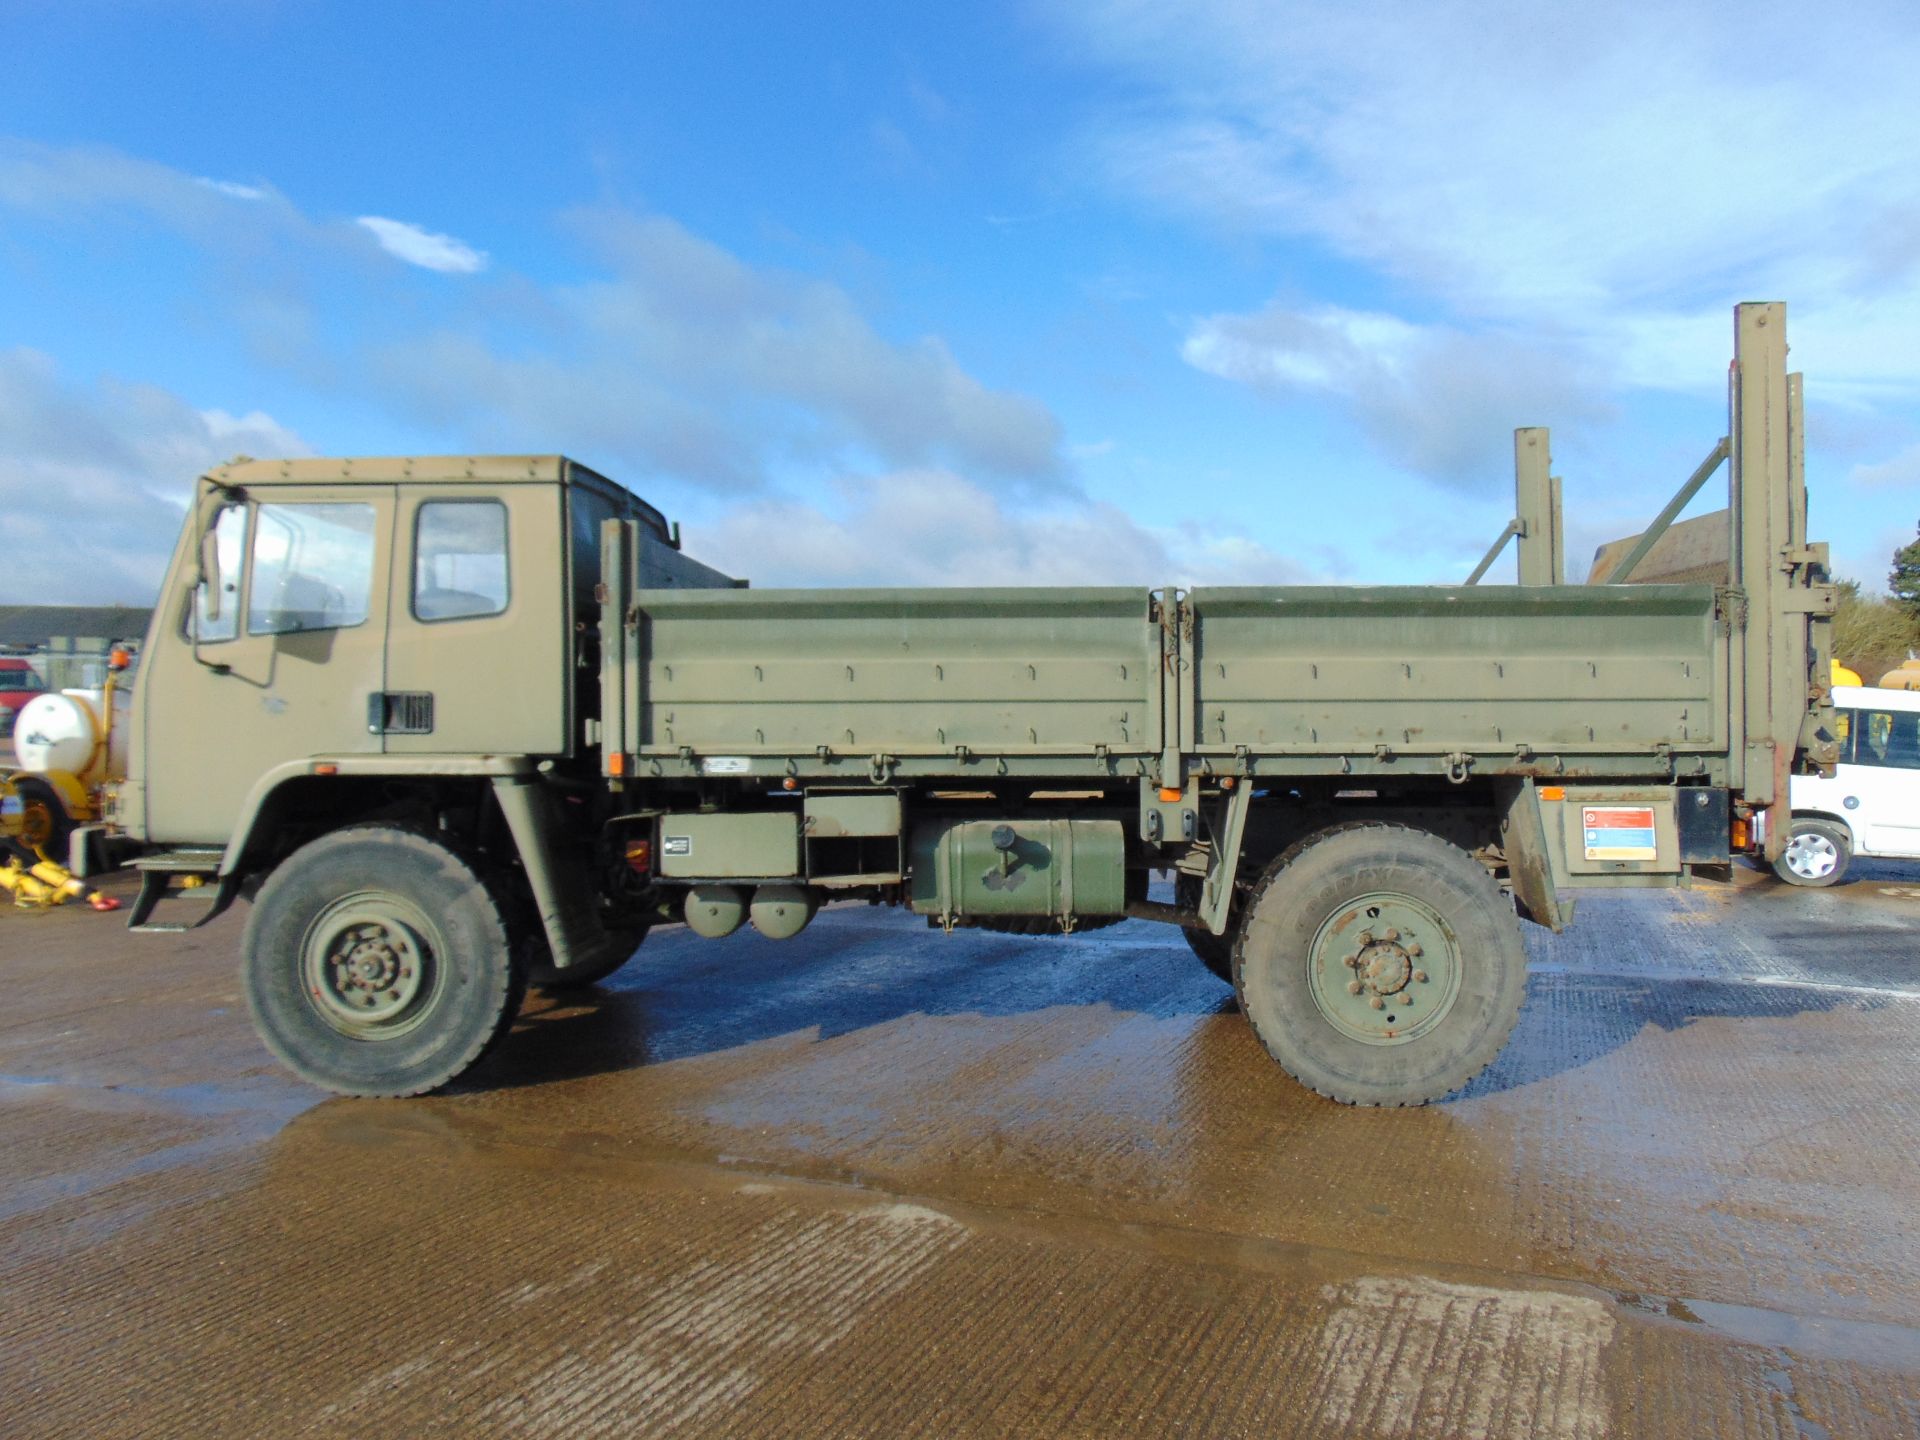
(210, 568)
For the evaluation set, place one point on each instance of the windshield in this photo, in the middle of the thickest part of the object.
(22, 679)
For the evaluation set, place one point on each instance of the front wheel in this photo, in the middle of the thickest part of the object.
(45, 826)
(1817, 853)
(376, 962)
(1380, 965)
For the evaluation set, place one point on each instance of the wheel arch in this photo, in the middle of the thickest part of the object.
(339, 791)
(1853, 835)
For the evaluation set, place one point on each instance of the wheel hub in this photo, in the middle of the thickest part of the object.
(36, 826)
(1811, 856)
(367, 966)
(1384, 969)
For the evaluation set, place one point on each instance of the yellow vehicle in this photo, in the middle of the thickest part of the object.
(66, 749)
(1906, 677)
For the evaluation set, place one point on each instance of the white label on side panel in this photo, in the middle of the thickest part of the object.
(1619, 832)
(726, 765)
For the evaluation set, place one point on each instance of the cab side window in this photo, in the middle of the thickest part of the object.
(460, 560)
(312, 568)
(1888, 738)
(230, 547)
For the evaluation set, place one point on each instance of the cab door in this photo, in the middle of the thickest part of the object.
(1884, 779)
(280, 668)
(478, 651)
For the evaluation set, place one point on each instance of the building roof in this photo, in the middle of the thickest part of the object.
(24, 625)
(1692, 552)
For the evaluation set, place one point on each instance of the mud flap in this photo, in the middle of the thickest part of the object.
(566, 903)
(1523, 838)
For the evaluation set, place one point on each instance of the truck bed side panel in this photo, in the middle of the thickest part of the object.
(1472, 669)
(899, 672)
(1491, 671)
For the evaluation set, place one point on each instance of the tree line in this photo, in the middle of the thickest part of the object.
(1873, 634)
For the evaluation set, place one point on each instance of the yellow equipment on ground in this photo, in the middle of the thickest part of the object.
(35, 881)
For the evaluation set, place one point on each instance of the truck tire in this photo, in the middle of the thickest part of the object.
(1817, 853)
(377, 963)
(1386, 914)
(45, 826)
(1215, 951)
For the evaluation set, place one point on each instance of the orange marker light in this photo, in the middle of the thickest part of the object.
(789, 783)
(640, 856)
(617, 763)
(1742, 835)
(326, 768)
(1553, 792)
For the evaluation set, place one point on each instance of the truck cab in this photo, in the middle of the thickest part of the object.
(365, 614)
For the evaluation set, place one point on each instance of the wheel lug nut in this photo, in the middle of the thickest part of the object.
(1413, 949)
(1421, 976)
(1366, 937)
(1353, 987)
(1390, 935)
(1352, 962)
(1377, 1003)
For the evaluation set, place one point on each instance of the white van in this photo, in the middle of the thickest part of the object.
(1871, 806)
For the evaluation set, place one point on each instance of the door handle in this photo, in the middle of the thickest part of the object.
(400, 712)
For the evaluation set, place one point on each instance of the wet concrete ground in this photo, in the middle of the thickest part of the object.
(875, 1181)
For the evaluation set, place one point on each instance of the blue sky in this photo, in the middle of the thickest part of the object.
(1021, 292)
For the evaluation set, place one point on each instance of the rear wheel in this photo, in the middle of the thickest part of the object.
(1380, 965)
(1817, 853)
(376, 962)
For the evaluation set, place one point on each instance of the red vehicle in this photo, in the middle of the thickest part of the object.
(19, 683)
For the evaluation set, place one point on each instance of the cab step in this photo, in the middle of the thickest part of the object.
(157, 874)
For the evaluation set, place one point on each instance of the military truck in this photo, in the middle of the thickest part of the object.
(454, 726)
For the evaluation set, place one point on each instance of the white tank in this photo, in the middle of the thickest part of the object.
(63, 732)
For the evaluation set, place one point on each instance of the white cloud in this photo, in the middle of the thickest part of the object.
(1526, 157)
(1897, 471)
(1436, 400)
(687, 360)
(233, 188)
(69, 182)
(1620, 173)
(931, 527)
(425, 248)
(93, 479)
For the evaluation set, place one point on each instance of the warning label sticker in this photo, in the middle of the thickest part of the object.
(1619, 832)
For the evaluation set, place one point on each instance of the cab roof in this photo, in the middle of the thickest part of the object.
(393, 469)
(244, 471)
(1872, 697)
